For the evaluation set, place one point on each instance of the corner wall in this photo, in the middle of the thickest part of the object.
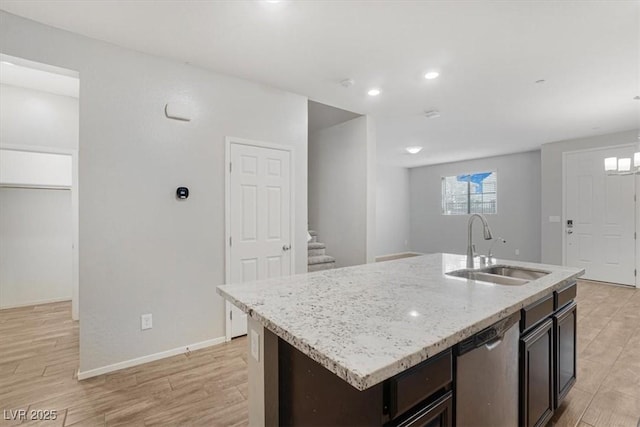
(517, 221)
(342, 190)
(141, 251)
(552, 179)
(393, 210)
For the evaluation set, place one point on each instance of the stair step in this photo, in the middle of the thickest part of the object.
(321, 259)
(320, 267)
(316, 245)
(316, 252)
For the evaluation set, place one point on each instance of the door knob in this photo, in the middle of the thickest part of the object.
(569, 232)
(286, 247)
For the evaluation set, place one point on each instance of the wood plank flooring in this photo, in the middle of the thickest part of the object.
(39, 359)
(607, 391)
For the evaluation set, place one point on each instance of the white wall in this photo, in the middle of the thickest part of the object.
(141, 250)
(393, 210)
(552, 177)
(35, 246)
(36, 169)
(341, 203)
(36, 118)
(517, 221)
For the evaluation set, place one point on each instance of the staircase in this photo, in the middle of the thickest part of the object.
(318, 259)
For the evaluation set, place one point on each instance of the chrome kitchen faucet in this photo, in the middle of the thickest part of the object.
(487, 236)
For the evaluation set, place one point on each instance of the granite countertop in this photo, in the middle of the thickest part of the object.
(370, 322)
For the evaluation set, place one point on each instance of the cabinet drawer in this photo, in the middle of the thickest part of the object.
(437, 414)
(565, 295)
(536, 312)
(418, 383)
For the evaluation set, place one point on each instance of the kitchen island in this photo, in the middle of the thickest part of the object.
(354, 331)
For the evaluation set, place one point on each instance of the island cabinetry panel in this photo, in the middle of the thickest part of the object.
(536, 375)
(311, 395)
(547, 355)
(565, 322)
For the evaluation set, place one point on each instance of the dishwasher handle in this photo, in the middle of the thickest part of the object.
(490, 337)
(493, 344)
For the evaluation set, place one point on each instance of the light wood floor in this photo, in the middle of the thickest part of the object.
(607, 391)
(39, 357)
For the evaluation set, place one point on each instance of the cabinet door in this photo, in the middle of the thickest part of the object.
(565, 355)
(536, 381)
(438, 414)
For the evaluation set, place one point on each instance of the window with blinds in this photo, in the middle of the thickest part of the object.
(470, 193)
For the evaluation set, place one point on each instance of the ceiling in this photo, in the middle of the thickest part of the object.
(32, 75)
(489, 55)
(322, 116)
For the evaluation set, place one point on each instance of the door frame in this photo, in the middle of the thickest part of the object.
(229, 140)
(565, 154)
(75, 264)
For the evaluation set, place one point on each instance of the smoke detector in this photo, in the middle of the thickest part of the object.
(432, 114)
(347, 82)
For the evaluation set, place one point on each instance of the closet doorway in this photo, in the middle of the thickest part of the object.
(39, 142)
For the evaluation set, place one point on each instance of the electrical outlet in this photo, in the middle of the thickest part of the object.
(255, 345)
(146, 321)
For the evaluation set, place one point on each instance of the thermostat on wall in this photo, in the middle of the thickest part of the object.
(182, 192)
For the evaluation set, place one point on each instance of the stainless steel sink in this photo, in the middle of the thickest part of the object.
(501, 275)
(517, 272)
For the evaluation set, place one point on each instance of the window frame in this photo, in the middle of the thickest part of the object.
(443, 178)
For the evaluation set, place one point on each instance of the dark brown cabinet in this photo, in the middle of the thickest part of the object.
(537, 375)
(310, 395)
(547, 355)
(564, 322)
(438, 414)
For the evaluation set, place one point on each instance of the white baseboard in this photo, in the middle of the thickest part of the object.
(149, 358)
(38, 302)
(400, 255)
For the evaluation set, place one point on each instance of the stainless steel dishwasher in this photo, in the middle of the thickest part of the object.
(487, 376)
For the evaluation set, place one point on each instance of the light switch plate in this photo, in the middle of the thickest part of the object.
(255, 345)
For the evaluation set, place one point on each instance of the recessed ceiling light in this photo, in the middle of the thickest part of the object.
(431, 75)
(414, 150)
(7, 63)
(432, 114)
(540, 81)
(272, 1)
(374, 92)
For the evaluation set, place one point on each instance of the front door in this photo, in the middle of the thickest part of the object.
(260, 219)
(600, 217)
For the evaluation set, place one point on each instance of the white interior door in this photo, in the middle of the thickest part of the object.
(600, 217)
(260, 219)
